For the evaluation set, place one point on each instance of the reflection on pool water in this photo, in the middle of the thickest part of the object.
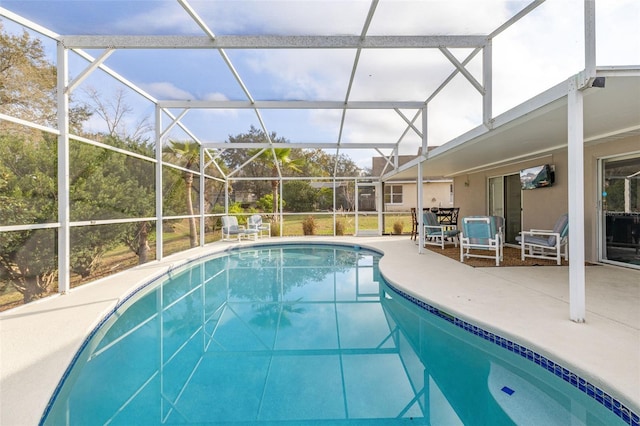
(301, 334)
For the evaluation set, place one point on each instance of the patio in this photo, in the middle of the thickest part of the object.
(528, 305)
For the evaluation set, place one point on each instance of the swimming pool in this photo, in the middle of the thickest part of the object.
(302, 333)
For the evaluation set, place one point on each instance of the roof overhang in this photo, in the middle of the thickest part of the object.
(538, 127)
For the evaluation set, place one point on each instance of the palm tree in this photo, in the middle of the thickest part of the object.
(189, 153)
(278, 158)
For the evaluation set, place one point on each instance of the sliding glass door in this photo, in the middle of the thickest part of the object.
(620, 210)
(505, 199)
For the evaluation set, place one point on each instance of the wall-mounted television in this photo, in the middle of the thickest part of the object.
(537, 177)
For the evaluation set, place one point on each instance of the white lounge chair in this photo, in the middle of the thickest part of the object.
(437, 234)
(482, 233)
(263, 228)
(231, 228)
(546, 244)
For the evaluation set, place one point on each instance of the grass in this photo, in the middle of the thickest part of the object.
(177, 240)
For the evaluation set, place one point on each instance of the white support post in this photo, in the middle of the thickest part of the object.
(280, 209)
(419, 210)
(159, 212)
(226, 195)
(420, 180)
(64, 232)
(424, 130)
(202, 192)
(487, 83)
(356, 204)
(575, 120)
(590, 38)
(379, 206)
(334, 206)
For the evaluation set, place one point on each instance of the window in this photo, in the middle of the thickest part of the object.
(393, 194)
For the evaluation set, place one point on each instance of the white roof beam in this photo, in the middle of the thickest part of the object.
(291, 104)
(87, 71)
(270, 42)
(453, 74)
(463, 70)
(356, 60)
(249, 161)
(175, 120)
(303, 145)
(27, 23)
(515, 18)
(187, 7)
(181, 125)
(410, 122)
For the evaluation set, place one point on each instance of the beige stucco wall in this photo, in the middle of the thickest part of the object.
(434, 194)
(541, 207)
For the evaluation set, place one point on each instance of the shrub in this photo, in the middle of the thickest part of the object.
(397, 227)
(275, 229)
(309, 226)
(339, 227)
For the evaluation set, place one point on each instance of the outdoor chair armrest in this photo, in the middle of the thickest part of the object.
(544, 232)
(438, 228)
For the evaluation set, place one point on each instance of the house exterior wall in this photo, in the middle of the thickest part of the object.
(434, 194)
(541, 207)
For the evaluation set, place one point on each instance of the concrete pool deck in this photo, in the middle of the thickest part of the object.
(528, 305)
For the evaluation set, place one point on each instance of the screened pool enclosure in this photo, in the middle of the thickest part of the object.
(134, 126)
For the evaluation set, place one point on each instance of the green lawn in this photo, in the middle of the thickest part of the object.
(177, 239)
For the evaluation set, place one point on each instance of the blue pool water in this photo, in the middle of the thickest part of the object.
(301, 334)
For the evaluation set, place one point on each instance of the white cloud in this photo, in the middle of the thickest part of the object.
(166, 91)
(215, 97)
(161, 17)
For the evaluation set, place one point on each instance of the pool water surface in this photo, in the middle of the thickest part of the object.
(300, 333)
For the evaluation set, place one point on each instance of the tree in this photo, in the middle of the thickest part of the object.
(27, 79)
(236, 158)
(28, 165)
(28, 195)
(115, 112)
(321, 163)
(301, 196)
(276, 160)
(279, 158)
(187, 153)
(28, 84)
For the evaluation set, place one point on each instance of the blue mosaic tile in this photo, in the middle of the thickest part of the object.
(558, 370)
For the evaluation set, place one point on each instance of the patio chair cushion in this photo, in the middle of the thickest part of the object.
(561, 227)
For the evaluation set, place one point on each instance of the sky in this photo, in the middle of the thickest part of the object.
(541, 50)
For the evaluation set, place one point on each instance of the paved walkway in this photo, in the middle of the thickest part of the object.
(529, 305)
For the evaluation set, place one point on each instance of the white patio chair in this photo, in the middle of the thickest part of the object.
(546, 244)
(231, 228)
(263, 228)
(482, 233)
(438, 234)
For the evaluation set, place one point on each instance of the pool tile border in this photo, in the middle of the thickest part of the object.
(591, 390)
